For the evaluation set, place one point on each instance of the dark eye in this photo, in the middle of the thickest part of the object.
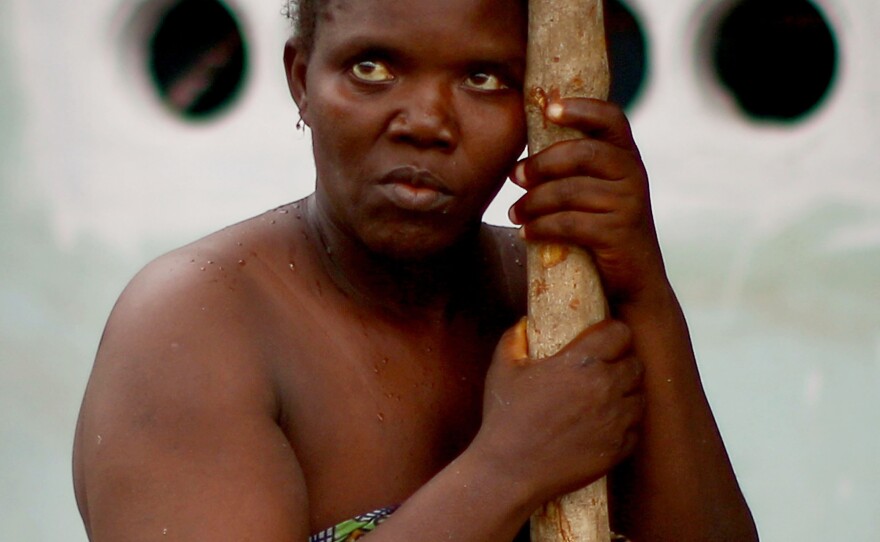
(484, 81)
(372, 71)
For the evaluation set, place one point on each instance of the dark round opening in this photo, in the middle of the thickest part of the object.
(777, 58)
(627, 53)
(197, 58)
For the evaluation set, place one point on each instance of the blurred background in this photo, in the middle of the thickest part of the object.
(130, 127)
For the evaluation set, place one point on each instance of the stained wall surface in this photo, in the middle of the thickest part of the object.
(771, 233)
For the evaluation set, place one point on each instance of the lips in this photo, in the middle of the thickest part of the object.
(415, 189)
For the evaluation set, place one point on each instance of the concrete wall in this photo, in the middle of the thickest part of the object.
(771, 232)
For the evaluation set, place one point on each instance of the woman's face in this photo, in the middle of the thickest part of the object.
(415, 109)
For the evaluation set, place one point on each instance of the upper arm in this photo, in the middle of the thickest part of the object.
(178, 435)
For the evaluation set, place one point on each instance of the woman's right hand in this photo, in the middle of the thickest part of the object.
(562, 422)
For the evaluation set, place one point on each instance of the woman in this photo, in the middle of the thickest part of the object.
(347, 353)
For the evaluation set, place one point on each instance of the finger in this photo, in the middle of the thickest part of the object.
(574, 158)
(605, 341)
(632, 374)
(597, 118)
(583, 194)
(571, 227)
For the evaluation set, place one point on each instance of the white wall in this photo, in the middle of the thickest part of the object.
(772, 237)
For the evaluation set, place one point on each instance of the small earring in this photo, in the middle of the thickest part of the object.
(301, 125)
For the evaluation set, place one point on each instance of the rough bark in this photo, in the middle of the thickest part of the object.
(566, 58)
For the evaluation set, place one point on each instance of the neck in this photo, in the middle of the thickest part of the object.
(435, 286)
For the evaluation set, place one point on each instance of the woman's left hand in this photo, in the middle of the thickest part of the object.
(593, 192)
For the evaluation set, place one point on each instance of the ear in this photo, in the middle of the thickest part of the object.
(296, 64)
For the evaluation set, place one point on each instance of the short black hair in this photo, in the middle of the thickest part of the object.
(303, 15)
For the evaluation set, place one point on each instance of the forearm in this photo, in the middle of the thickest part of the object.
(679, 485)
(468, 501)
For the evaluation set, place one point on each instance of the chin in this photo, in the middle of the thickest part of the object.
(418, 244)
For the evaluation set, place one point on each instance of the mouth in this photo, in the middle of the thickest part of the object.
(415, 189)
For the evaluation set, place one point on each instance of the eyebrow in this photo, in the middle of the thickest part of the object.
(388, 49)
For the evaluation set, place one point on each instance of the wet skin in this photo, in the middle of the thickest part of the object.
(348, 351)
(411, 143)
(411, 139)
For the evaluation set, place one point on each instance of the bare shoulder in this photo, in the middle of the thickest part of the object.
(182, 390)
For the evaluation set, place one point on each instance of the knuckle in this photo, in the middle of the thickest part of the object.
(586, 151)
(624, 335)
(586, 361)
(618, 117)
(568, 192)
(567, 222)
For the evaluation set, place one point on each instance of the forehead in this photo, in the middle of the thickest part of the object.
(431, 23)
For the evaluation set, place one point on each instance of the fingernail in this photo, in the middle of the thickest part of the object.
(519, 174)
(554, 111)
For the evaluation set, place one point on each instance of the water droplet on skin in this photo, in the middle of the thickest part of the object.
(242, 262)
(376, 369)
(202, 268)
(164, 532)
(99, 440)
(380, 416)
(273, 221)
(292, 266)
(210, 262)
(238, 243)
(220, 267)
(298, 217)
(518, 262)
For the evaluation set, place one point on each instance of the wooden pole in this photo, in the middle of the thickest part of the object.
(566, 57)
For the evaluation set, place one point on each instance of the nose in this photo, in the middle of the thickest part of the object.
(425, 117)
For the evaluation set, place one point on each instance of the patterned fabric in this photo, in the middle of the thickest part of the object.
(354, 528)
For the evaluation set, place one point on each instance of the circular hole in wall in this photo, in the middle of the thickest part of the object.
(776, 58)
(196, 57)
(627, 53)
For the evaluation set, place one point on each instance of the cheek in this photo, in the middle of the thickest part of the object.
(501, 134)
(340, 138)
(517, 135)
(337, 117)
(497, 139)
